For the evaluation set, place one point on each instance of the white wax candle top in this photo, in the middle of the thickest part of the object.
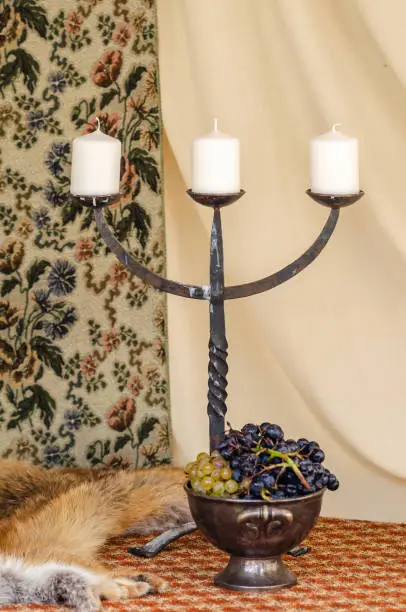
(216, 163)
(334, 134)
(216, 133)
(96, 161)
(97, 135)
(334, 163)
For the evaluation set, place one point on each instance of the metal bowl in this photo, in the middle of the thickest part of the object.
(255, 534)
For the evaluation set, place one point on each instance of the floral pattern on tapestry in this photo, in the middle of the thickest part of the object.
(83, 370)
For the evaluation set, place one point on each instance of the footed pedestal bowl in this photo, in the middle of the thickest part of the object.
(255, 534)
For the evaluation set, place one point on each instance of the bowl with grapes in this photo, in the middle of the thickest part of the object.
(255, 534)
(261, 516)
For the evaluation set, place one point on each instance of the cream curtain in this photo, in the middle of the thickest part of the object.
(325, 354)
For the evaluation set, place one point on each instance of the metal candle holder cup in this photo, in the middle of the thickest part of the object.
(216, 293)
(96, 201)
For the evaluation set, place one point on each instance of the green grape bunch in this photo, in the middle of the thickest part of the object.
(211, 475)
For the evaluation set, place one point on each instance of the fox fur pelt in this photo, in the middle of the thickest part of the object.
(54, 522)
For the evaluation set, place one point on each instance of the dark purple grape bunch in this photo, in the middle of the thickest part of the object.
(266, 466)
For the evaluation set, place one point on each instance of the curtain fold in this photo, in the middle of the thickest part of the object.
(324, 354)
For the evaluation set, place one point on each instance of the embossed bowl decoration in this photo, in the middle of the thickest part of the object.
(255, 533)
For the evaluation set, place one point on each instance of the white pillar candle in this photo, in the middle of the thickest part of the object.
(95, 165)
(216, 163)
(334, 164)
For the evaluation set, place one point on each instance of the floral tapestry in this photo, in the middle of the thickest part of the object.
(83, 370)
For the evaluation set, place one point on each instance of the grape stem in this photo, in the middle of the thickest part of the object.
(298, 473)
(237, 446)
(270, 467)
(289, 461)
(282, 471)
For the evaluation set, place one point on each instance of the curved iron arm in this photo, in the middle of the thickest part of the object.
(269, 282)
(162, 284)
(199, 292)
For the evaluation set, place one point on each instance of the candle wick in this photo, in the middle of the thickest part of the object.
(215, 125)
(335, 126)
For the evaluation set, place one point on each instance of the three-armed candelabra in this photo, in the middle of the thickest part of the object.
(215, 293)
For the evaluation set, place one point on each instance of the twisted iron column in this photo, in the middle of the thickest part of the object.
(218, 368)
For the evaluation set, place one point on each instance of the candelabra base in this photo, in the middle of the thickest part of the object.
(157, 545)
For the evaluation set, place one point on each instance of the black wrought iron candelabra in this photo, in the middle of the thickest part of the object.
(215, 293)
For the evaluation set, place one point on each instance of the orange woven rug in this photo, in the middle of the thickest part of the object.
(353, 565)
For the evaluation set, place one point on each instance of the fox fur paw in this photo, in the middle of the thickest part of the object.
(155, 583)
(128, 586)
